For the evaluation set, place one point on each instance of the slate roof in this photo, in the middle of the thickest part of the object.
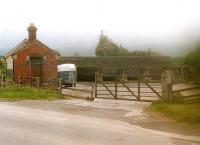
(23, 45)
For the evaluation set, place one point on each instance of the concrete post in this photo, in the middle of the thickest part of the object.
(167, 85)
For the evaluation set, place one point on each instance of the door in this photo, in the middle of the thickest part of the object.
(36, 66)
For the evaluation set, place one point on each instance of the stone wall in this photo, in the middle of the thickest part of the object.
(116, 61)
(116, 65)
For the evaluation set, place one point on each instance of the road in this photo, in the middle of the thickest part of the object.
(24, 125)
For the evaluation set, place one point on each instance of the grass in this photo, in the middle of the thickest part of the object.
(14, 93)
(180, 110)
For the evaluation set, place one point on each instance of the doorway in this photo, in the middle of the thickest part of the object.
(36, 66)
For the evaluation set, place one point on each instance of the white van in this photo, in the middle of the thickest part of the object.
(67, 73)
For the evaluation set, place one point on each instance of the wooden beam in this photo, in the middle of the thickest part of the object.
(129, 90)
(108, 90)
(187, 89)
(154, 90)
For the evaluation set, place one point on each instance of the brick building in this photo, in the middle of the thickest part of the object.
(31, 58)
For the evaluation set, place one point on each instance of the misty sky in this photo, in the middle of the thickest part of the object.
(69, 26)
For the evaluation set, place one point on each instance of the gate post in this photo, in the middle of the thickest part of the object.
(115, 89)
(92, 92)
(95, 89)
(139, 90)
(95, 86)
(139, 80)
(167, 85)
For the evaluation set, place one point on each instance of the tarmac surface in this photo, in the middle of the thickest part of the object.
(81, 122)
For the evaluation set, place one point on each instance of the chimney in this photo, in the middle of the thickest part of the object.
(32, 32)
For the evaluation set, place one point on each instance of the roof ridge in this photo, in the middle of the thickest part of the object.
(16, 48)
(47, 47)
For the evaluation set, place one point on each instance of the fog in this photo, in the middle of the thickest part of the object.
(171, 27)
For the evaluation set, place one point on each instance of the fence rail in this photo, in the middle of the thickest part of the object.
(128, 89)
(81, 90)
(187, 91)
(146, 86)
(39, 82)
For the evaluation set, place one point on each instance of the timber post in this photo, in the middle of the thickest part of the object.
(95, 85)
(38, 82)
(139, 80)
(19, 80)
(92, 92)
(138, 90)
(115, 89)
(60, 85)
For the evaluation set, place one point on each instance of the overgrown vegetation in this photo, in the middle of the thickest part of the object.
(180, 110)
(2, 69)
(106, 47)
(193, 59)
(176, 61)
(20, 93)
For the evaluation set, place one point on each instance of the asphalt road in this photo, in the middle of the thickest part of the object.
(32, 126)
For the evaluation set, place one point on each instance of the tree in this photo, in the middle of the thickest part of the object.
(106, 47)
(76, 54)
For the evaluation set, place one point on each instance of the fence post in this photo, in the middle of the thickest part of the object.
(60, 85)
(139, 83)
(138, 90)
(2, 80)
(115, 89)
(38, 82)
(19, 80)
(95, 87)
(167, 85)
(92, 93)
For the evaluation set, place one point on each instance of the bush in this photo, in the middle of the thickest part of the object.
(193, 59)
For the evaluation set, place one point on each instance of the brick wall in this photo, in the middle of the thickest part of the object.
(35, 49)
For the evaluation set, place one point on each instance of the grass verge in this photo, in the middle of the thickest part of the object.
(187, 111)
(14, 93)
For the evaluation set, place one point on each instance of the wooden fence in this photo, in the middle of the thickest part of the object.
(144, 88)
(39, 82)
(185, 91)
(83, 90)
(173, 88)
